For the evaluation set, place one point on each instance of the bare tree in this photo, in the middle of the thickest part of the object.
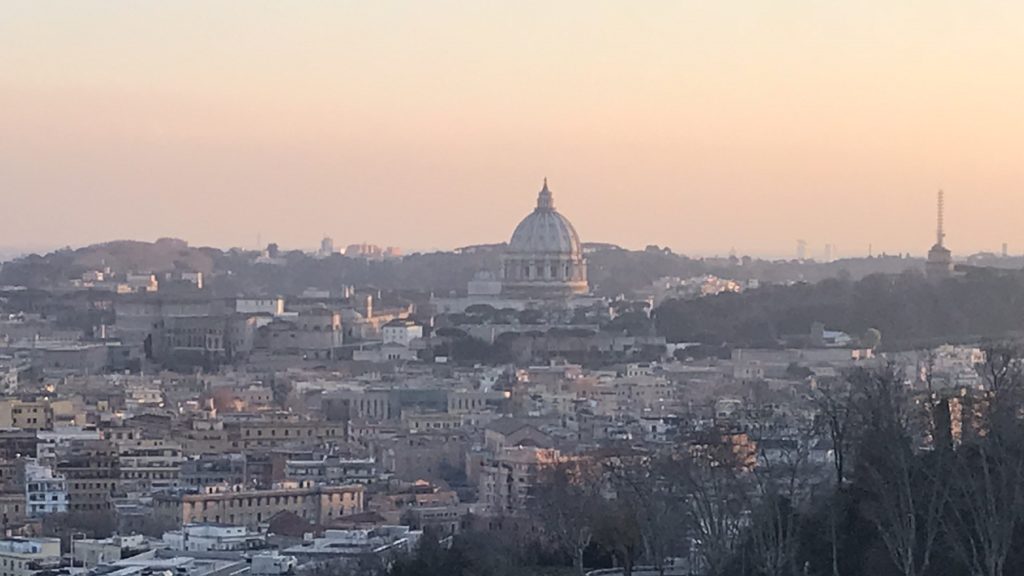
(785, 479)
(988, 474)
(567, 504)
(906, 491)
(835, 408)
(647, 485)
(619, 532)
(717, 485)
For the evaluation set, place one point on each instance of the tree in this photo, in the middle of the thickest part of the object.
(717, 487)
(835, 409)
(834, 405)
(797, 372)
(567, 503)
(785, 481)
(774, 535)
(281, 390)
(905, 493)
(871, 339)
(430, 559)
(66, 525)
(647, 485)
(988, 474)
(618, 531)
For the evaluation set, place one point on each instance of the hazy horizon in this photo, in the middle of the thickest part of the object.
(816, 253)
(698, 126)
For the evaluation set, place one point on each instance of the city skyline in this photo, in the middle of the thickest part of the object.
(701, 128)
(464, 288)
(825, 252)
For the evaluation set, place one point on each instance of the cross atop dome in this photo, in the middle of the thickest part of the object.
(545, 200)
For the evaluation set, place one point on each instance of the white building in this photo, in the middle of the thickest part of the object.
(48, 440)
(326, 248)
(194, 278)
(402, 332)
(89, 553)
(211, 538)
(140, 396)
(384, 542)
(27, 556)
(272, 306)
(385, 353)
(272, 564)
(45, 492)
(142, 282)
(150, 564)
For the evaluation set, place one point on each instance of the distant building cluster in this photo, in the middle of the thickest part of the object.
(372, 252)
(689, 288)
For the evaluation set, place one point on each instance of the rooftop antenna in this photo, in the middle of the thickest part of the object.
(940, 235)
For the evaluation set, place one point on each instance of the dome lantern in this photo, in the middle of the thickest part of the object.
(545, 200)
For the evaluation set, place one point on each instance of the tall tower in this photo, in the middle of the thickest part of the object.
(940, 259)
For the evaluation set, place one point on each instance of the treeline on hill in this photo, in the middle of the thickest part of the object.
(612, 270)
(909, 310)
(918, 487)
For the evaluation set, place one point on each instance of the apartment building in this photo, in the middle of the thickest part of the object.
(508, 479)
(92, 471)
(45, 492)
(148, 466)
(26, 415)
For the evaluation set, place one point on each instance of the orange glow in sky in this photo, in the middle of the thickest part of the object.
(697, 125)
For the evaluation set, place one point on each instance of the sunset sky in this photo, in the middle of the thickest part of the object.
(700, 125)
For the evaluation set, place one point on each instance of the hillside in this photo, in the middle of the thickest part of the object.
(164, 255)
(908, 309)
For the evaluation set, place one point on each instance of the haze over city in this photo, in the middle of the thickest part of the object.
(703, 126)
(511, 288)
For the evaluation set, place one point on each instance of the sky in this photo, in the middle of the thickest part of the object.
(704, 126)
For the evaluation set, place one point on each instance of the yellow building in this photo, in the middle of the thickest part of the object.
(263, 434)
(318, 505)
(26, 415)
